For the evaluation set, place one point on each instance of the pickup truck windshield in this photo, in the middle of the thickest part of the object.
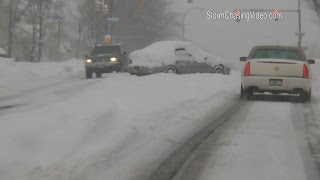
(277, 54)
(106, 50)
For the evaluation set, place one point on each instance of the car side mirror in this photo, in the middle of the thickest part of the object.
(130, 61)
(243, 59)
(86, 56)
(311, 61)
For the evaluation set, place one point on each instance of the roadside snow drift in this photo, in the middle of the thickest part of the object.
(117, 127)
(16, 77)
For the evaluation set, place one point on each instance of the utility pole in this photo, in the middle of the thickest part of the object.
(184, 19)
(112, 15)
(300, 34)
(10, 28)
(59, 18)
(40, 10)
(59, 38)
(79, 39)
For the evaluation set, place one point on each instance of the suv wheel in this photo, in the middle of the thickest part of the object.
(88, 74)
(98, 74)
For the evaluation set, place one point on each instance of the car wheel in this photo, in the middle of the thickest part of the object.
(218, 69)
(245, 94)
(303, 96)
(171, 70)
(88, 74)
(242, 95)
(98, 75)
(308, 96)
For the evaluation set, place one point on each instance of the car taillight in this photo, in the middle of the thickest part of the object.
(305, 71)
(247, 69)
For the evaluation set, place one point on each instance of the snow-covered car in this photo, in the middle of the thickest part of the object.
(276, 69)
(177, 57)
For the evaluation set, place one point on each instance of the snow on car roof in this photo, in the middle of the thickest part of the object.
(163, 52)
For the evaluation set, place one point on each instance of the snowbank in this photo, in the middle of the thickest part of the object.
(119, 127)
(18, 76)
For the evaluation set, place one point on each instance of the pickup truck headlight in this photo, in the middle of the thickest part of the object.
(89, 61)
(114, 59)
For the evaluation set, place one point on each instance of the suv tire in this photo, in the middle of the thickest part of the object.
(88, 74)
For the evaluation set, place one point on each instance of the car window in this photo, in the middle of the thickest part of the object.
(196, 52)
(106, 50)
(182, 52)
(277, 54)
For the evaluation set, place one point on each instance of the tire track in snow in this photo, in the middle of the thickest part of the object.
(312, 130)
(171, 166)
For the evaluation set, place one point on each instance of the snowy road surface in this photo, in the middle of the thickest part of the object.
(266, 140)
(120, 127)
(56, 125)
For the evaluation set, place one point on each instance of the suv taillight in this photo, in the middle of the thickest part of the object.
(247, 69)
(305, 71)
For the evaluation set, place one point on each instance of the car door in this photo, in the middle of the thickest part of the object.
(184, 61)
(201, 62)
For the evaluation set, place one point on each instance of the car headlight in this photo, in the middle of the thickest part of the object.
(114, 59)
(89, 61)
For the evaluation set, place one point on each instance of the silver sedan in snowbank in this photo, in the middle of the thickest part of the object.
(176, 57)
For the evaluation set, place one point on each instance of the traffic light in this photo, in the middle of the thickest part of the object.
(98, 7)
(276, 13)
(106, 9)
(238, 15)
(141, 2)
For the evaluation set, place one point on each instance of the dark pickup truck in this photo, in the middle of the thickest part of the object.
(106, 59)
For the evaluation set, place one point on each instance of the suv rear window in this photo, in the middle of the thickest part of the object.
(106, 50)
(277, 54)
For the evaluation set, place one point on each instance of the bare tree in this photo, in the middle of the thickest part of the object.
(144, 22)
(93, 22)
(141, 22)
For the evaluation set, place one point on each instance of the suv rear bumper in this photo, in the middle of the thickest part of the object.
(289, 85)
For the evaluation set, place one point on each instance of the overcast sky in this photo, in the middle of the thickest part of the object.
(229, 39)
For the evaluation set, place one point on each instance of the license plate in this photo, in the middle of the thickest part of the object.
(275, 82)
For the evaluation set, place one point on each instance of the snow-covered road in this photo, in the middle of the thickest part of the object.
(62, 126)
(268, 141)
(56, 125)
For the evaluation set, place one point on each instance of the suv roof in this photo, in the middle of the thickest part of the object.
(115, 44)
